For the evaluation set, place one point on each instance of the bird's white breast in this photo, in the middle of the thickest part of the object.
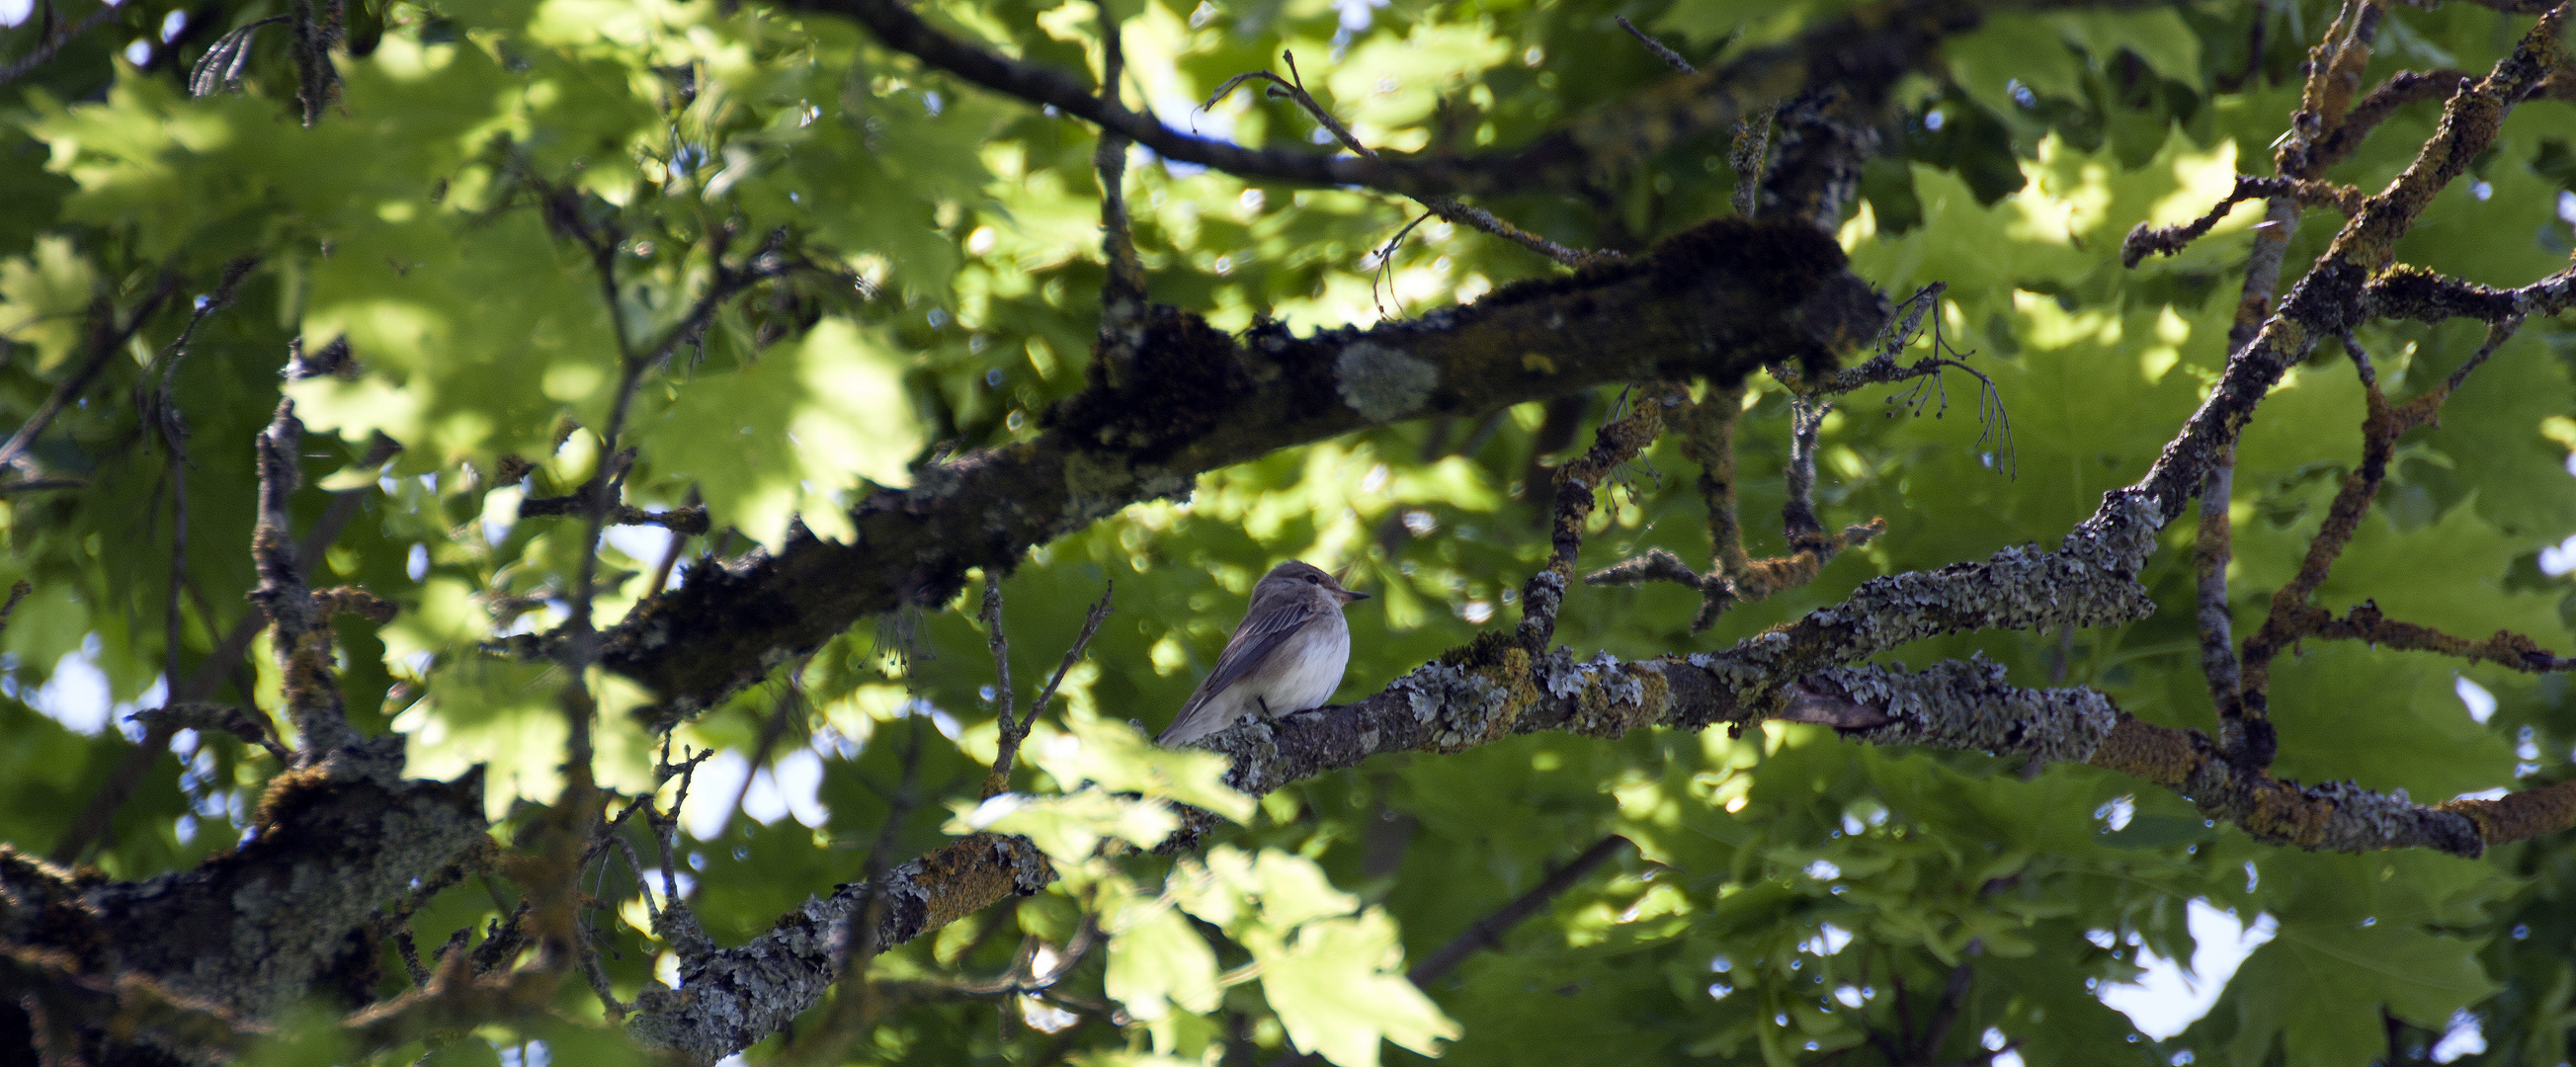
(1306, 670)
(1300, 675)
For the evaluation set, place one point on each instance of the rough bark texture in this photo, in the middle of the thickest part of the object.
(1721, 301)
(253, 932)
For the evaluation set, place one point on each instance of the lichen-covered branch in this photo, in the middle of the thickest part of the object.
(2145, 240)
(300, 619)
(256, 931)
(731, 998)
(2408, 292)
(1717, 301)
(2291, 616)
(1473, 696)
(2365, 623)
(1733, 575)
(1620, 440)
(2305, 157)
(2329, 300)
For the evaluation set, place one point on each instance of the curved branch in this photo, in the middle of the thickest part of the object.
(734, 997)
(1863, 53)
(1719, 301)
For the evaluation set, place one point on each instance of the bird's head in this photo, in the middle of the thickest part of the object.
(1296, 574)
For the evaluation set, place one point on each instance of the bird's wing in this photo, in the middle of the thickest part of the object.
(1253, 642)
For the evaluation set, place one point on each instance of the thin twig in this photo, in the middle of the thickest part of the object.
(671, 552)
(1914, 321)
(2144, 240)
(1000, 778)
(107, 338)
(1748, 155)
(1293, 88)
(46, 50)
(683, 522)
(1122, 295)
(18, 591)
(1011, 731)
(790, 699)
(1614, 444)
(162, 414)
(579, 648)
(853, 1004)
(39, 485)
(1488, 932)
(2209, 559)
(1671, 58)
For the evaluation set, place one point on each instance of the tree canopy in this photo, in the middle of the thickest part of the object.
(603, 531)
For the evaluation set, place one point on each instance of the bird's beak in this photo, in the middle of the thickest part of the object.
(1349, 595)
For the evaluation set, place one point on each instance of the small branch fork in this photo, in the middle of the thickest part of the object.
(2144, 240)
(1734, 576)
(1015, 730)
(1617, 442)
(1293, 88)
(299, 618)
(2354, 281)
(1916, 316)
(2292, 617)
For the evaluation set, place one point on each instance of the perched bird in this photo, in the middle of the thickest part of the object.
(1286, 656)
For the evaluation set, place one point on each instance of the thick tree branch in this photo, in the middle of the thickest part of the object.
(734, 997)
(248, 934)
(1718, 301)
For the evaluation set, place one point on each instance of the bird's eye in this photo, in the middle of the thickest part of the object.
(1312, 580)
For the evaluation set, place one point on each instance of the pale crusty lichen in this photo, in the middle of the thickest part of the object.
(1099, 484)
(1383, 383)
(1462, 707)
(1967, 704)
(1610, 697)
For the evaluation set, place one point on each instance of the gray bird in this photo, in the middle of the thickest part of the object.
(1286, 656)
